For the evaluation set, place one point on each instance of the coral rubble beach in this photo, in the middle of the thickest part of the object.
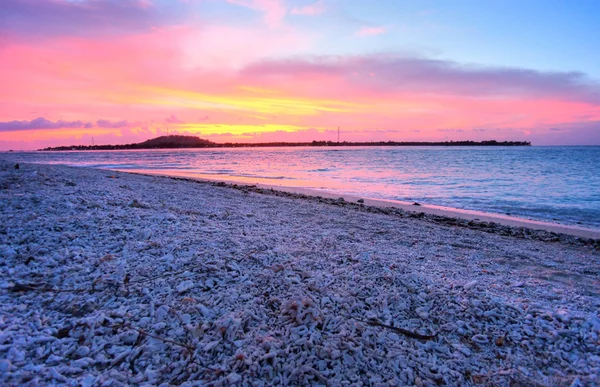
(109, 278)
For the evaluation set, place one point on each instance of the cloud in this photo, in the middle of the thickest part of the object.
(46, 18)
(274, 10)
(315, 8)
(40, 123)
(111, 124)
(370, 31)
(389, 73)
(43, 123)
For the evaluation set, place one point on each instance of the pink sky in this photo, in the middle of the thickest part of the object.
(127, 71)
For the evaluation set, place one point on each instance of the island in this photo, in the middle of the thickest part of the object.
(178, 141)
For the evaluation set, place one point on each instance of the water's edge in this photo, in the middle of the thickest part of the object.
(441, 211)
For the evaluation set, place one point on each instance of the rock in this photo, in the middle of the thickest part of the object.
(88, 381)
(233, 378)
(57, 375)
(360, 201)
(480, 339)
(82, 351)
(185, 286)
(129, 338)
(9, 253)
(5, 366)
(470, 285)
(162, 312)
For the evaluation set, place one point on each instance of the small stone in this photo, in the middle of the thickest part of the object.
(470, 285)
(370, 315)
(480, 339)
(9, 253)
(360, 201)
(185, 286)
(82, 351)
(57, 375)
(88, 381)
(423, 315)
(462, 349)
(576, 383)
(234, 378)
(162, 312)
(5, 365)
(129, 338)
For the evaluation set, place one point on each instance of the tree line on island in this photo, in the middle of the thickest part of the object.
(177, 141)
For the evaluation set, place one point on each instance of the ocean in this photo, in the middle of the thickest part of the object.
(558, 184)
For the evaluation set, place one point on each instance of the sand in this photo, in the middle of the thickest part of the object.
(110, 278)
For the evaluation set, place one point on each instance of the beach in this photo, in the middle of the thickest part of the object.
(112, 278)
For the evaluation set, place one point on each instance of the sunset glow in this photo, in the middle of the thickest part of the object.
(293, 70)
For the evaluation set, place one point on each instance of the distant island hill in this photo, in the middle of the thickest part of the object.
(176, 141)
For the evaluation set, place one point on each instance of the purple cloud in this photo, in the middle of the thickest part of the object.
(41, 123)
(111, 124)
(43, 18)
(437, 77)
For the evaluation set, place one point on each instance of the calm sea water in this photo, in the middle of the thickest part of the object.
(543, 183)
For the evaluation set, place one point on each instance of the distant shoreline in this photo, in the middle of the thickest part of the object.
(179, 142)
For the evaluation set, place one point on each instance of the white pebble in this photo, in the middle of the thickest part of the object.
(185, 286)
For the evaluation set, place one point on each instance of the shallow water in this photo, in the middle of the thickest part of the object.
(543, 183)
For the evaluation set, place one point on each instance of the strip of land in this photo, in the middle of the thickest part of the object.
(177, 141)
(108, 276)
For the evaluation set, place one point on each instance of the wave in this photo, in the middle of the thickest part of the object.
(247, 175)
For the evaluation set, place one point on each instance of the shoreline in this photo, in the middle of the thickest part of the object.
(428, 209)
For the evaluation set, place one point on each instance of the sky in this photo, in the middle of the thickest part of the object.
(78, 72)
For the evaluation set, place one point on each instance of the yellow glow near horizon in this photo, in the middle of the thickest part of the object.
(264, 105)
(220, 129)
